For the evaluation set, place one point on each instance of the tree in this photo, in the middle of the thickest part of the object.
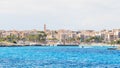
(10, 38)
(118, 42)
(39, 37)
(94, 39)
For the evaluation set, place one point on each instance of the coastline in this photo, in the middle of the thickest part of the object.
(83, 44)
(109, 47)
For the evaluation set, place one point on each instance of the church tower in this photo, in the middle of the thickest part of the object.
(44, 27)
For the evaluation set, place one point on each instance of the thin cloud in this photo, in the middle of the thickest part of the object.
(77, 13)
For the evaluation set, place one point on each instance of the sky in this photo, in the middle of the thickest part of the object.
(59, 14)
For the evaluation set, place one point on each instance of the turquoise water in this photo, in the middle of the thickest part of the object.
(58, 57)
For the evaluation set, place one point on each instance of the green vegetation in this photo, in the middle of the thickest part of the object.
(38, 37)
(118, 42)
(53, 39)
(94, 39)
(115, 42)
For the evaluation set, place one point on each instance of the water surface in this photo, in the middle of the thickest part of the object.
(58, 57)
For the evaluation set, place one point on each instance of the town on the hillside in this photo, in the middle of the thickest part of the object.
(54, 37)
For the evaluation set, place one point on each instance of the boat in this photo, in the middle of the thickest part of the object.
(67, 45)
(35, 44)
(112, 48)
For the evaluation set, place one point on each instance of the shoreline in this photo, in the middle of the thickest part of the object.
(23, 45)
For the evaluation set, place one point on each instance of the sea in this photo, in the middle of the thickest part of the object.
(59, 57)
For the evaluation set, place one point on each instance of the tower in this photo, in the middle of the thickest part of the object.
(44, 27)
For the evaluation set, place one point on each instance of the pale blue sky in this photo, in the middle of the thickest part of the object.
(59, 14)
